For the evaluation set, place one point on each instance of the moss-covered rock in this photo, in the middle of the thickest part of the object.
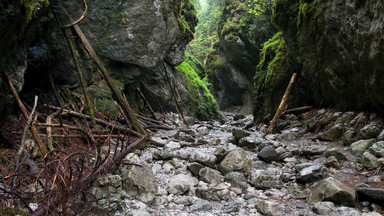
(337, 52)
(271, 77)
(200, 100)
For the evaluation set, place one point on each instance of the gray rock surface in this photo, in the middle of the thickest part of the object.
(272, 208)
(369, 131)
(332, 190)
(310, 172)
(267, 178)
(359, 147)
(377, 149)
(180, 184)
(236, 160)
(371, 194)
(210, 176)
(268, 154)
(237, 179)
(369, 161)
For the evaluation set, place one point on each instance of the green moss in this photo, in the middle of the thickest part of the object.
(271, 57)
(201, 102)
(31, 8)
(15, 211)
(271, 75)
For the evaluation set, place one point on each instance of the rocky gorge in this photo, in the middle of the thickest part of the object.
(191, 72)
(321, 162)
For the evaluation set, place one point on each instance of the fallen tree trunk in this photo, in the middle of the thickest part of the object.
(282, 105)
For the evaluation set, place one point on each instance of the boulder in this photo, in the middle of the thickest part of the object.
(369, 161)
(359, 147)
(236, 160)
(268, 154)
(205, 159)
(332, 190)
(337, 153)
(375, 195)
(349, 136)
(377, 149)
(267, 178)
(236, 179)
(369, 131)
(181, 184)
(332, 134)
(195, 168)
(270, 207)
(312, 149)
(140, 182)
(210, 176)
(310, 172)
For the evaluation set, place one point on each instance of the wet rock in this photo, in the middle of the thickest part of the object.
(195, 168)
(180, 184)
(369, 161)
(237, 179)
(251, 142)
(332, 190)
(337, 153)
(210, 176)
(377, 149)
(268, 154)
(267, 178)
(375, 195)
(205, 159)
(323, 208)
(239, 134)
(308, 172)
(313, 149)
(271, 208)
(200, 205)
(236, 160)
(334, 133)
(369, 131)
(349, 136)
(359, 147)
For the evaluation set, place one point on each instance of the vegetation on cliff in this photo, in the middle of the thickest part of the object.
(201, 102)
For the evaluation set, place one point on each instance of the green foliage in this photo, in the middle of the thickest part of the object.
(14, 211)
(32, 7)
(201, 101)
(260, 7)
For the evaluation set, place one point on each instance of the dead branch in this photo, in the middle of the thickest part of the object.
(282, 104)
(40, 144)
(100, 121)
(298, 110)
(141, 95)
(81, 76)
(173, 95)
(84, 181)
(78, 20)
(49, 129)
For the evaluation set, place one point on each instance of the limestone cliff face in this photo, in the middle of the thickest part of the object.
(340, 45)
(337, 49)
(134, 39)
(139, 32)
(341, 48)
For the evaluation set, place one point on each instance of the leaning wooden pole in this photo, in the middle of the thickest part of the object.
(281, 108)
(104, 73)
(81, 77)
(32, 128)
